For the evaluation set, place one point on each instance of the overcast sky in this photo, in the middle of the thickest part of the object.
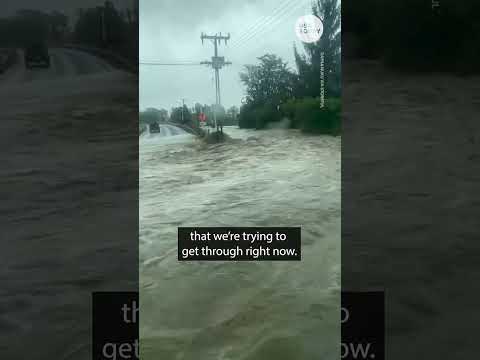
(170, 32)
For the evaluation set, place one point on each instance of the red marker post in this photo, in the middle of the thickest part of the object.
(202, 118)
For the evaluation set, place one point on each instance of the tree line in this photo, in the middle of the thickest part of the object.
(190, 116)
(425, 35)
(103, 27)
(108, 28)
(27, 26)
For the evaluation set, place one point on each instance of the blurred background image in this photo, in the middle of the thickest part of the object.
(47, 35)
(410, 168)
(69, 177)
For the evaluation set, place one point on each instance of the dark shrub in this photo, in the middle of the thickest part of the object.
(314, 119)
(258, 116)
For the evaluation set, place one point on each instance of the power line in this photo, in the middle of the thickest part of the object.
(262, 22)
(270, 25)
(260, 27)
(285, 10)
(258, 45)
(259, 22)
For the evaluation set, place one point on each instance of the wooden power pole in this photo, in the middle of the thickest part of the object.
(217, 63)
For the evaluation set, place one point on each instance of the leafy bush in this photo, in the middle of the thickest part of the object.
(411, 35)
(305, 114)
(288, 110)
(258, 116)
(246, 119)
(308, 115)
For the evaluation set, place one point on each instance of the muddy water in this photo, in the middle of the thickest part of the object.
(240, 310)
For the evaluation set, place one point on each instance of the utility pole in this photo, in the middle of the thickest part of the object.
(104, 31)
(183, 105)
(217, 63)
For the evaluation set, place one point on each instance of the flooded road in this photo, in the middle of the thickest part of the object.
(65, 63)
(240, 310)
(69, 184)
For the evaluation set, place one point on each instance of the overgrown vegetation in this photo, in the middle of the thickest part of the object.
(275, 92)
(152, 115)
(307, 115)
(28, 26)
(103, 27)
(417, 35)
(189, 117)
(106, 27)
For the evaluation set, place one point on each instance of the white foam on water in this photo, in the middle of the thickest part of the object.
(262, 178)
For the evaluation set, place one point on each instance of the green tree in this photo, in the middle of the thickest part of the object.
(151, 115)
(102, 26)
(198, 108)
(309, 63)
(232, 116)
(233, 112)
(163, 115)
(29, 26)
(416, 35)
(58, 26)
(268, 82)
(181, 117)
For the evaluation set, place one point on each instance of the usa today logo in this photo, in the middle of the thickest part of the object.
(309, 28)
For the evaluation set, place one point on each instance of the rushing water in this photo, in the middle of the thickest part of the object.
(240, 310)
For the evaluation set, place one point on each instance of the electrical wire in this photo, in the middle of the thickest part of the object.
(270, 25)
(258, 23)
